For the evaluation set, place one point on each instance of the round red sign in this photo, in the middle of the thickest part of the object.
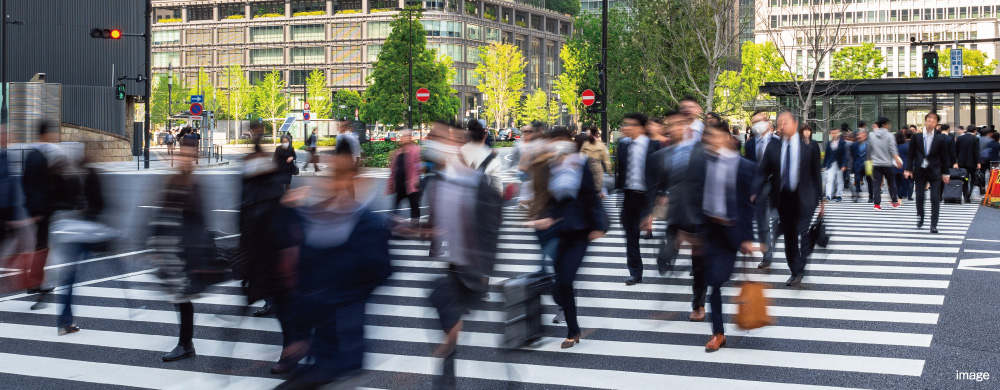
(588, 97)
(423, 95)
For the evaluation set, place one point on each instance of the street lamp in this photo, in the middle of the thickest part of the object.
(170, 94)
(409, 97)
(4, 21)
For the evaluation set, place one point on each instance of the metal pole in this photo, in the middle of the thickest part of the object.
(149, 89)
(3, 72)
(409, 97)
(604, 74)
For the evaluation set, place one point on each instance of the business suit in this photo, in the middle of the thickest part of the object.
(967, 156)
(682, 177)
(724, 235)
(834, 160)
(859, 154)
(764, 212)
(938, 162)
(797, 202)
(636, 202)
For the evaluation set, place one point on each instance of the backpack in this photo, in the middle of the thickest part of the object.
(488, 217)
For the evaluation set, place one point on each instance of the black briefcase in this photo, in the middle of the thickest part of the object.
(523, 305)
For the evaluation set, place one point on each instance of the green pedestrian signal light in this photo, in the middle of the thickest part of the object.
(120, 92)
(930, 65)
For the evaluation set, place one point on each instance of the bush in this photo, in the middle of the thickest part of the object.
(377, 10)
(270, 15)
(376, 154)
(503, 144)
(327, 142)
(235, 17)
(309, 13)
(170, 20)
(348, 11)
(490, 16)
(521, 24)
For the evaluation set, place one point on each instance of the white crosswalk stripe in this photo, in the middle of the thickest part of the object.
(866, 316)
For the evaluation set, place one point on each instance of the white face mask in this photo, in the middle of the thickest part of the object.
(759, 128)
(284, 144)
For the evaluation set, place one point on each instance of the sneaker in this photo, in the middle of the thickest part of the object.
(896, 205)
(877, 207)
(839, 199)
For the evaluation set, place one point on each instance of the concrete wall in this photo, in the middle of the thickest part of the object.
(106, 146)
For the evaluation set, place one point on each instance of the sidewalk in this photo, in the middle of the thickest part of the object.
(159, 160)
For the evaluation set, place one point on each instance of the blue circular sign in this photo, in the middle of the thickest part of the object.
(197, 109)
(305, 116)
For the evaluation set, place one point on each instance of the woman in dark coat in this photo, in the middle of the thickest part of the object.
(284, 158)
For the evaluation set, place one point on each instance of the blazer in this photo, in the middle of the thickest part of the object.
(858, 157)
(722, 257)
(967, 151)
(621, 169)
(938, 160)
(903, 149)
(685, 187)
(809, 187)
(585, 212)
(838, 156)
(750, 151)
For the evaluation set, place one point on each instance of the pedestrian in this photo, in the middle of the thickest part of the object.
(579, 219)
(680, 177)
(349, 139)
(183, 248)
(284, 160)
(40, 165)
(859, 154)
(927, 162)
(728, 217)
(834, 163)
(342, 252)
(169, 140)
(884, 155)
(967, 155)
(691, 109)
(311, 147)
(478, 155)
(764, 212)
(848, 136)
(657, 131)
(636, 180)
(597, 155)
(404, 175)
(903, 185)
(793, 168)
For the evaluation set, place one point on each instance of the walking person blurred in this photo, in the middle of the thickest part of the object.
(928, 162)
(903, 185)
(284, 159)
(884, 155)
(834, 163)
(404, 175)
(41, 164)
(597, 155)
(635, 178)
(170, 140)
(859, 154)
(765, 214)
(311, 146)
(967, 155)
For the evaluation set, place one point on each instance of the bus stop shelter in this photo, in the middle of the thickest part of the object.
(973, 100)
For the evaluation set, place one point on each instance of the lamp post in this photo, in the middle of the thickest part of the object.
(3, 63)
(409, 97)
(170, 94)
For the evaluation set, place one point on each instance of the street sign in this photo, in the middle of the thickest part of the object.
(197, 98)
(197, 117)
(956, 63)
(197, 109)
(588, 97)
(305, 116)
(306, 107)
(423, 95)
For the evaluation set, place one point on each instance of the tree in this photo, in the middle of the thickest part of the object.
(500, 69)
(239, 95)
(738, 92)
(570, 7)
(538, 107)
(567, 85)
(388, 83)
(160, 95)
(318, 95)
(974, 63)
(350, 99)
(203, 86)
(858, 62)
(270, 100)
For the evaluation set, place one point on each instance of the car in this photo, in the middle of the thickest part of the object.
(504, 135)
(391, 136)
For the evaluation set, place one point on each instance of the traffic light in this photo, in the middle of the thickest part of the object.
(120, 92)
(106, 33)
(930, 65)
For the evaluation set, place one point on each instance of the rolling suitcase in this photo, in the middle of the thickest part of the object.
(953, 191)
(523, 305)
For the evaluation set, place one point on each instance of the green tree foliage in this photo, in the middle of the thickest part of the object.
(270, 100)
(500, 70)
(571, 7)
(538, 107)
(238, 101)
(386, 95)
(737, 92)
(203, 86)
(858, 62)
(974, 63)
(158, 102)
(567, 85)
(318, 95)
(350, 99)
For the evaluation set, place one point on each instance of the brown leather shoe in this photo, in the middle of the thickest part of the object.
(697, 315)
(715, 343)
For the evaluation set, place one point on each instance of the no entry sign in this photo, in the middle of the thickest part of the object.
(588, 97)
(423, 95)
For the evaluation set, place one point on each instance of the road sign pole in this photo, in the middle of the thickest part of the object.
(604, 74)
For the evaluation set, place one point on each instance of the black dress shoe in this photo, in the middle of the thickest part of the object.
(871, 200)
(71, 328)
(179, 352)
(794, 281)
(632, 280)
(663, 267)
(764, 264)
(282, 368)
(264, 311)
(934, 230)
(920, 222)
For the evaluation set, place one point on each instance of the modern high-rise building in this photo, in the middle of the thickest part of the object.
(594, 6)
(343, 38)
(889, 25)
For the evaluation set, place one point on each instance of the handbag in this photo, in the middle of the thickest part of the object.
(818, 233)
(751, 305)
(869, 168)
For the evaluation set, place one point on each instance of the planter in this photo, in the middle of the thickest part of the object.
(309, 13)
(269, 16)
(235, 17)
(172, 20)
(348, 12)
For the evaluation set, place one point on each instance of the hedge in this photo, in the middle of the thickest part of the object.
(376, 154)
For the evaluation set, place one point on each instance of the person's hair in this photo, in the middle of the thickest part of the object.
(656, 119)
(912, 127)
(803, 127)
(936, 116)
(736, 130)
(995, 135)
(714, 115)
(720, 127)
(539, 126)
(788, 112)
(476, 131)
(882, 122)
(844, 127)
(47, 127)
(594, 131)
(689, 98)
(861, 124)
(945, 127)
(286, 136)
(638, 117)
(582, 139)
(561, 132)
(671, 113)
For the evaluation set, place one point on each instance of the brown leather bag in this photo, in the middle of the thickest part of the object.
(752, 306)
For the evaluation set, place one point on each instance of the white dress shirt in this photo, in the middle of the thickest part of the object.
(793, 171)
(720, 178)
(635, 178)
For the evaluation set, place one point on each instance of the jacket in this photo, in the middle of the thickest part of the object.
(838, 156)
(809, 187)
(882, 148)
(621, 169)
(685, 187)
(412, 169)
(285, 169)
(585, 212)
(599, 152)
(859, 156)
(938, 160)
(967, 151)
(903, 152)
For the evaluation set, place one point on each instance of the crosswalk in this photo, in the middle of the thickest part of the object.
(864, 318)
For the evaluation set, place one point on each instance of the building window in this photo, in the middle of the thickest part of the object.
(308, 55)
(342, 5)
(308, 32)
(230, 35)
(164, 58)
(434, 5)
(492, 35)
(200, 13)
(308, 6)
(901, 61)
(373, 52)
(535, 64)
(345, 31)
(202, 36)
(198, 58)
(459, 77)
(452, 51)
(345, 77)
(474, 32)
(267, 34)
(166, 37)
(298, 77)
(443, 28)
(257, 76)
(230, 57)
(267, 56)
(380, 29)
(472, 54)
(267, 9)
(342, 54)
(232, 11)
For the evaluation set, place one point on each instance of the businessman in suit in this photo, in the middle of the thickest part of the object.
(793, 169)
(834, 163)
(635, 180)
(764, 208)
(680, 173)
(728, 217)
(967, 157)
(927, 162)
(859, 154)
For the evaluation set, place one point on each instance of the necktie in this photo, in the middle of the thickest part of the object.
(761, 143)
(786, 168)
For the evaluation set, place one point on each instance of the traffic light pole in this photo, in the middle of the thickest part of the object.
(604, 73)
(149, 82)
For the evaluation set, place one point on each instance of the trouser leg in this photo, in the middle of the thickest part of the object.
(186, 311)
(630, 217)
(718, 327)
(877, 188)
(937, 187)
(572, 248)
(699, 282)
(891, 183)
(921, 194)
(414, 206)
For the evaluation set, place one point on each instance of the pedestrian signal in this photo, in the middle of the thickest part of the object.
(930, 65)
(120, 92)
